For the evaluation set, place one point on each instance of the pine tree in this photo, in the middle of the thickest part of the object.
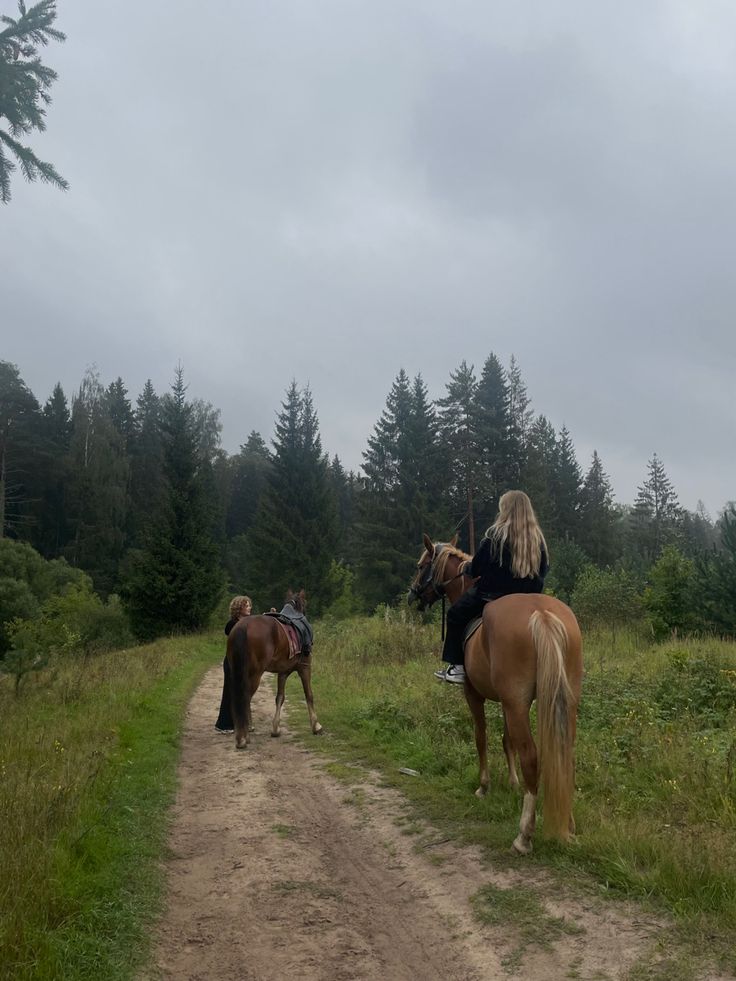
(53, 534)
(343, 490)
(147, 480)
(249, 471)
(521, 418)
(598, 517)
(497, 451)
(98, 497)
(538, 473)
(175, 581)
(293, 538)
(566, 488)
(119, 409)
(656, 517)
(20, 454)
(24, 91)
(460, 441)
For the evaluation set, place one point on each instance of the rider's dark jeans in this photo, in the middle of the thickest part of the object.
(467, 608)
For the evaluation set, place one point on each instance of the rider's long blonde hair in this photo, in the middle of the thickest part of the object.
(517, 525)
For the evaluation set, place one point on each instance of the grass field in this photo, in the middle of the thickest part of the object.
(87, 773)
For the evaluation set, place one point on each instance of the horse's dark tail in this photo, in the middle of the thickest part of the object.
(237, 652)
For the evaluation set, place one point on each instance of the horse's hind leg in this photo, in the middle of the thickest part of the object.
(520, 733)
(476, 704)
(280, 696)
(305, 673)
(510, 755)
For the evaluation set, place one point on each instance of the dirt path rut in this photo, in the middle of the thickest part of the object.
(277, 870)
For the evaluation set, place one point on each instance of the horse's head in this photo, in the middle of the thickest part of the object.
(428, 584)
(297, 600)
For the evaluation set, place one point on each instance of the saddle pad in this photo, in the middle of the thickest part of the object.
(295, 643)
(470, 629)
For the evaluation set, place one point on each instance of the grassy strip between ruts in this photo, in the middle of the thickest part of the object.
(656, 750)
(88, 757)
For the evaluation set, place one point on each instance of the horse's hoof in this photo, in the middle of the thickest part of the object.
(522, 845)
(481, 792)
(318, 730)
(241, 745)
(275, 735)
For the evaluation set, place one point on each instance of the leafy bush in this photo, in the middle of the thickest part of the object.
(75, 622)
(697, 685)
(28, 580)
(669, 595)
(603, 597)
(340, 582)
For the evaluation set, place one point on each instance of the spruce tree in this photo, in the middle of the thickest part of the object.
(521, 418)
(119, 409)
(98, 493)
(53, 534)
(249, 471)
(175, 581)
(567, 488)
(402, 491)
(656, 517)
(24, 92)
(344, 489)
(21, 456)
(538, 473)
(293, 538)
(147, 480)
(598, 517)
(460, 441)
(497, 451)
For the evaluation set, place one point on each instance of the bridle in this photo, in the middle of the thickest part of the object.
(418, 590)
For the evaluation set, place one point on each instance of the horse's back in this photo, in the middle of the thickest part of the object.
(504, 659)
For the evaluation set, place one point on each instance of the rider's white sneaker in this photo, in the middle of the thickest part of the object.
(454, 673)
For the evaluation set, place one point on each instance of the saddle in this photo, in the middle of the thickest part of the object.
(293, 639)
(470, 629)
(297, 630)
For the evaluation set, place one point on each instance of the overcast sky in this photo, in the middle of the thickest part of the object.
(334, 190)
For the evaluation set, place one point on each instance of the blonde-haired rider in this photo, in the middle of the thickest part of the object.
(511, 558)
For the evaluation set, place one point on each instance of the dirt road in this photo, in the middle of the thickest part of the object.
(277, 870)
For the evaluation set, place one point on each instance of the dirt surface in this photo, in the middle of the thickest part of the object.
(278, 870)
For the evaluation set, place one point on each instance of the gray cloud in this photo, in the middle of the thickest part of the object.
(331, 191)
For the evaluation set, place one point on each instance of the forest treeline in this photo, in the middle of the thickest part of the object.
(139, 498)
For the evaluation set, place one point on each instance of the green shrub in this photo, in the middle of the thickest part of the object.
(669, 596)
(697, 685)
(606, 598)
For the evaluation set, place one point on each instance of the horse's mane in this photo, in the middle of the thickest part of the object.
(446, 550)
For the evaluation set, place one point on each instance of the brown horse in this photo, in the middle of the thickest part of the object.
(257, 644)
(528, 646)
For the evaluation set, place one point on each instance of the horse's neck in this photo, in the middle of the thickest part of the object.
(457, 586)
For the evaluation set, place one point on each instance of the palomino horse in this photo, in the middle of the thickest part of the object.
(257, 644)
(528, 646)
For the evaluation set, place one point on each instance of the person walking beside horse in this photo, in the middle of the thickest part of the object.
(240, 606)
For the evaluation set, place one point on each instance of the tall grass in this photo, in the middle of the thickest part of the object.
(656, 758)
(87, 770)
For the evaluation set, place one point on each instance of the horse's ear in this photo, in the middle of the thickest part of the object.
(428, 544)
(453, 541)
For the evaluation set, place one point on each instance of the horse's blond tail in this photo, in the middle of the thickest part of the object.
(554, 722)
